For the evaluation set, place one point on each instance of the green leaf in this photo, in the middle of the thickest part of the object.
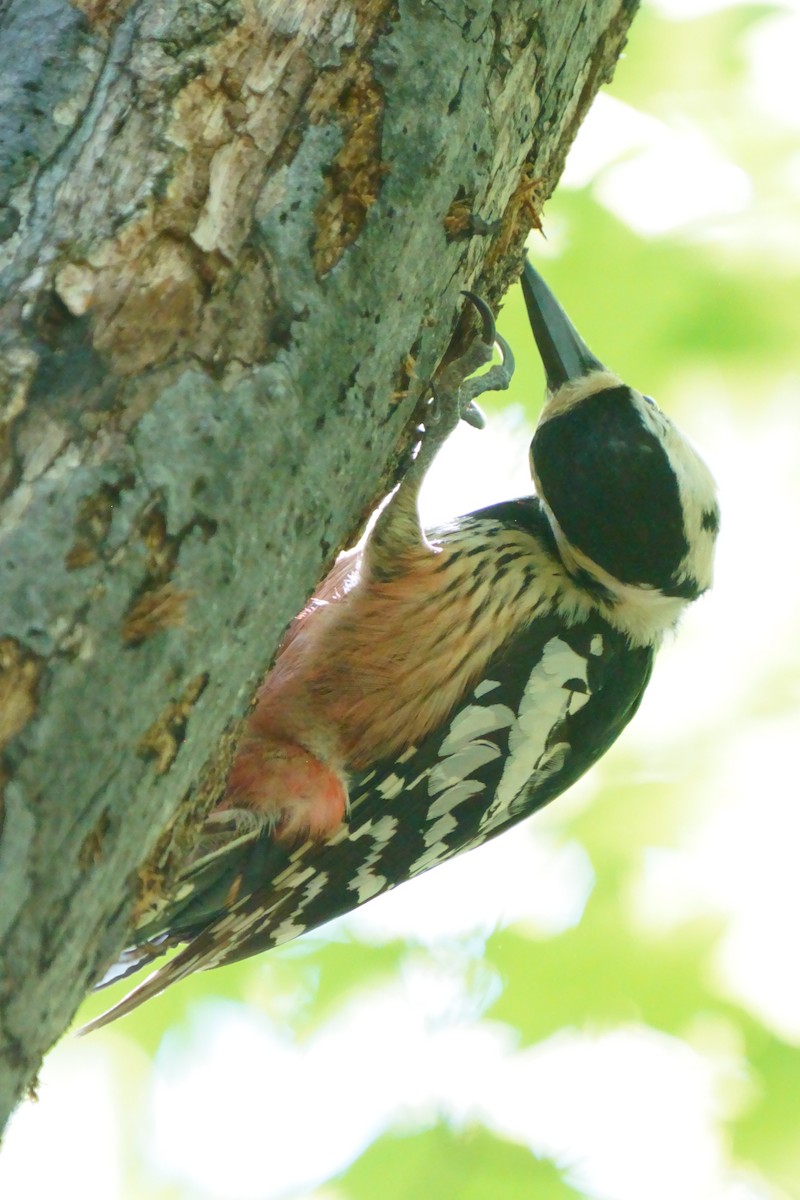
(473, 1164)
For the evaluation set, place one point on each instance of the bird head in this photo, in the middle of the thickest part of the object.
(628, 498)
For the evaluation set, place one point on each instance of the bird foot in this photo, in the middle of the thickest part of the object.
(456, 388)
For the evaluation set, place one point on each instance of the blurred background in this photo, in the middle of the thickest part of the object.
(604, 1003)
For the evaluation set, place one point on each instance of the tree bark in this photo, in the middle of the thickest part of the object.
(232, 239)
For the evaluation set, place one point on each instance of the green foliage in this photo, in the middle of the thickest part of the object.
(699, 66)
(472, 1164)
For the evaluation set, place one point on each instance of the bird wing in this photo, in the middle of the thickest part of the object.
(551, 703)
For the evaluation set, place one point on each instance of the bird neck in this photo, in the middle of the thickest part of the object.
(642, 613)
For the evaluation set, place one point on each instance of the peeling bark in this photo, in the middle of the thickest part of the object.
(232, 239)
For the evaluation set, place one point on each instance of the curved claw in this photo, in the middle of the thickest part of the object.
(488, 330)
(506, 353)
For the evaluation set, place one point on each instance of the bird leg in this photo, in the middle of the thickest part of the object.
(453, 395)
(456, 388)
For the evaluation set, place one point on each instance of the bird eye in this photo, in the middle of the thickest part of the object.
(650, 400)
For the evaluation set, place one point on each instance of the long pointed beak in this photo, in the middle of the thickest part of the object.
(564, 353)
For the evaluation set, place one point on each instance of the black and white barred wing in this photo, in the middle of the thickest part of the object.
(551, 703)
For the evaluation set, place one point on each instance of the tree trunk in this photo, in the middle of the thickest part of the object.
(232, 238)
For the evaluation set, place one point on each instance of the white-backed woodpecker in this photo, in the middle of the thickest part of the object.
(444, 684)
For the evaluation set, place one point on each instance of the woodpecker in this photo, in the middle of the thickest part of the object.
(444, 684)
